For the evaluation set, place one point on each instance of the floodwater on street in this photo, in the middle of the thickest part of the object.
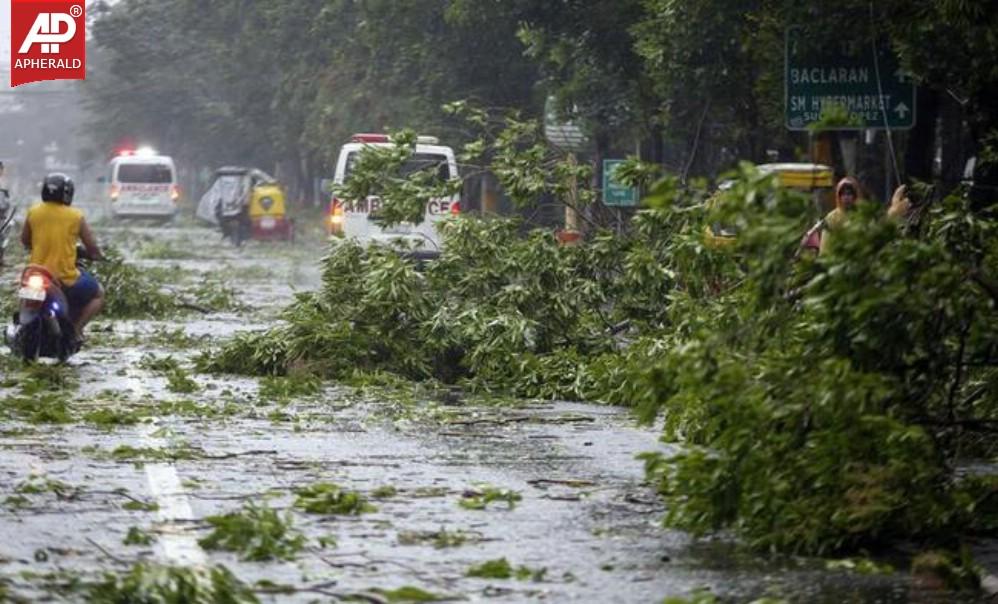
(139, 451)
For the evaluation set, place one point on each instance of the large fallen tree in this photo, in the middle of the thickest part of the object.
(824, 404)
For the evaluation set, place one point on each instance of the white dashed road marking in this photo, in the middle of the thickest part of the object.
(177, 545)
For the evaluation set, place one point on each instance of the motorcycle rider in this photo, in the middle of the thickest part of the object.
(50, 232)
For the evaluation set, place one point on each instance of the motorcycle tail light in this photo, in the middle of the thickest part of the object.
(35, 281)
(34, 288)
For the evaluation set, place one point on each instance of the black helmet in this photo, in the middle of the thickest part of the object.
(58, 187)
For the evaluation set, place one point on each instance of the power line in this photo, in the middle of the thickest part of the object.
(883, 105)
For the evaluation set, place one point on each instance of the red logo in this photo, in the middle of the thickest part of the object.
(48, 41)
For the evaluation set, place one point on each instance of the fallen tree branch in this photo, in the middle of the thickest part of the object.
(239, 454)
(564, 482)
(989, 288)
(107, 553)
(696, 143)
(192, 306)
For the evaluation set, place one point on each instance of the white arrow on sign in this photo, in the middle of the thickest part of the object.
(901, 75)
(902, 110)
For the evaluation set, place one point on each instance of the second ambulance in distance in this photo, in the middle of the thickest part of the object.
(353, 219)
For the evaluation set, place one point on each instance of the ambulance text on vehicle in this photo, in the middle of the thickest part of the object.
(353, 219)
(142, 184)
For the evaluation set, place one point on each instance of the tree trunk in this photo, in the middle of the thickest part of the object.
(921, 148)
(653, 147)
(986, 117)
(595, 210)
(956, 148)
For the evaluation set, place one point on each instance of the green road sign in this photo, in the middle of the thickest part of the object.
(615, 193)
(844, 76)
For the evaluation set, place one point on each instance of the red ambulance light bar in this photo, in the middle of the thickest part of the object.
(369, 138)
(384, 138)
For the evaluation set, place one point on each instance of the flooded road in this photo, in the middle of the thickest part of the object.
(135, 448)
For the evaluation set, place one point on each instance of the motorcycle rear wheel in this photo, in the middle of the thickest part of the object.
(30, 349)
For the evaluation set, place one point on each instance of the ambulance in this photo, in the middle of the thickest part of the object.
(142, 184)
(355, 219)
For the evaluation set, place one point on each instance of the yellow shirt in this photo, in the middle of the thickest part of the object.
(833, 220)
(55, 229)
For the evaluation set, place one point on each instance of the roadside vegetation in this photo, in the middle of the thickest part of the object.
(700, 84)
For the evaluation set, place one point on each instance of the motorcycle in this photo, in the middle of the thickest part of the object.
(6, 221)
(42, 326)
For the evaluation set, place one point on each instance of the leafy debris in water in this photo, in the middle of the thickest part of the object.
(148, 584)
(863, 566)
(189, 408)
(165, 364)
(408, 593)
(480, 497)
(214, 295)
(257, 532)
(36, 485)
(48, 378)
(703, 596)
(137, 536)
(282, 388)
(129, 291)
(429, 492)
(177, 379)
(140, 454)
(16, 502)
(136, 505)
(46, 408)
(384, 492)
(328, 498)
(177, 338)
(500, 568)
(111, 418)
(65, 583)
(439, 539)
(162, 250)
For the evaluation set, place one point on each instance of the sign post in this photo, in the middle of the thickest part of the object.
(819, 79)
(569, 137)
(615, 194)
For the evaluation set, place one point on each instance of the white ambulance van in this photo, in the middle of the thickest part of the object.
(143, 184)
(352, 219)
